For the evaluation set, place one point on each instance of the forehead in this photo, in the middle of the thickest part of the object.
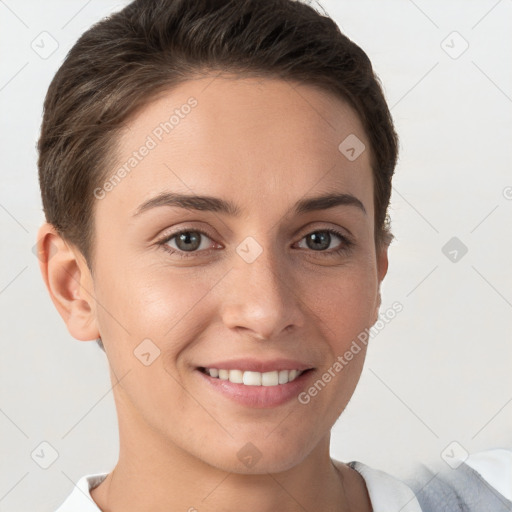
(248, 138)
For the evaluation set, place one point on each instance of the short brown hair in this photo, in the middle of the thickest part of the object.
(122, 62)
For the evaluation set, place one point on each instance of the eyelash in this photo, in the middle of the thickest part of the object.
(345, 246)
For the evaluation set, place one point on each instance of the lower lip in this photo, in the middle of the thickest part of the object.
(259, 397)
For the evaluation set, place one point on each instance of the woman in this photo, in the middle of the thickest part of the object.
(215, 177)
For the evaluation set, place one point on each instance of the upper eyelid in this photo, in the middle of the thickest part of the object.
(170, 236)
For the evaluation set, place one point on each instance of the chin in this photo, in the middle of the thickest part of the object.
(258, 456)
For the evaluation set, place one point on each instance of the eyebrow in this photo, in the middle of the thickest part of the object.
(215, 204)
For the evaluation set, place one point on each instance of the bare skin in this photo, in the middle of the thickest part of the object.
(263, 145)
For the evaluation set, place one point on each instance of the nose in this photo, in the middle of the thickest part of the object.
(260, 299)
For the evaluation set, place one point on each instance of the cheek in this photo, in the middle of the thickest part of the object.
(147, 321)
(343, 303)
(165, 306)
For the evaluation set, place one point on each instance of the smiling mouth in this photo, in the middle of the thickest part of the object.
(250, 378)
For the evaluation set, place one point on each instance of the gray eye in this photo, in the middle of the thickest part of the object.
(319, 240)
(187, 241)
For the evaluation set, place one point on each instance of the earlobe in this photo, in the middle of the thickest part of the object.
(69, 283)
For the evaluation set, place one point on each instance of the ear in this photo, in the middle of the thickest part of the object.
(69, 283)
(382, 269)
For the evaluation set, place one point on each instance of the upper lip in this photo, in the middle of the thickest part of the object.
(255, 365)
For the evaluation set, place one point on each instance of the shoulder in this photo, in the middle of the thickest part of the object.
(480, 481)
(494, 466)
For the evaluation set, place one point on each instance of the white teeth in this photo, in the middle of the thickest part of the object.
(270, 378)
(283, 376)
(236, 376)
(250, 378)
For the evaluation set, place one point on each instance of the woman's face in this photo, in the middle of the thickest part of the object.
(261, 284)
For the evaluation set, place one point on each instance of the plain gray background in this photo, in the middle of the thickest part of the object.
(438, 373)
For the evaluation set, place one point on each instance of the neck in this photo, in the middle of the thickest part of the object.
(158, 476)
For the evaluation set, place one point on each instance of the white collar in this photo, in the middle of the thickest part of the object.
(387, 493)
(80, 499)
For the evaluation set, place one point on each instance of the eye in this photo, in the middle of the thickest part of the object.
(186, 241)
(321, 239)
